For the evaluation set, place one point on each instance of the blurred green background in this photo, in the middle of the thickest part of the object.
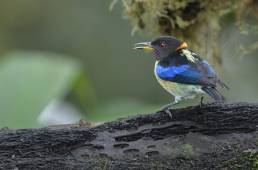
(64, 60)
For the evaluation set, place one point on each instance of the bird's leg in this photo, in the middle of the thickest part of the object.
(166, 108)
(201, 102)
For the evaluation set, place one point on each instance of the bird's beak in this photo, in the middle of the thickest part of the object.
(146, 46)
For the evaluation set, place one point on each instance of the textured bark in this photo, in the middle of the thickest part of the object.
(214, 136)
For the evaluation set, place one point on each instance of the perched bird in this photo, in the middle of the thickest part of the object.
(180, 71)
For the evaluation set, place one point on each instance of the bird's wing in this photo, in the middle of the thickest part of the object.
(195, 73)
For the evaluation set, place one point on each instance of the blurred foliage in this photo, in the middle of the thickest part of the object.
(75, 28)
(30, 80)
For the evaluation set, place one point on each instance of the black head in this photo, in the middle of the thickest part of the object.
(162, 46)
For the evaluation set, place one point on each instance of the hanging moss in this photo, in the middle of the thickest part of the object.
(196, 21)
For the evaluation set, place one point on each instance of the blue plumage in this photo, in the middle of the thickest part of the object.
(170, 71)
(186, 73)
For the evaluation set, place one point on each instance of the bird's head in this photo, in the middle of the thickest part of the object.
(162, 46)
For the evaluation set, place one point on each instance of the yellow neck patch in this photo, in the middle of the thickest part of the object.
(181, 46)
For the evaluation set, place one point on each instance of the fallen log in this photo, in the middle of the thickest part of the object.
(211, 136)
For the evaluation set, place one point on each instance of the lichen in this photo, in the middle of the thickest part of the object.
(184, 150)
(187, 149)
(247, 160)
(102, 161)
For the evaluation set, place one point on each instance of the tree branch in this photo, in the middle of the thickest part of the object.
(213, 136)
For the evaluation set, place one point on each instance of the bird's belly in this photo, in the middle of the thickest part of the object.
(179, 90)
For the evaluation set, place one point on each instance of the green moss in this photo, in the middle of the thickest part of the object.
(102, 161)
(247, 160)
(187, 149)
(184, 150)
(157, 164)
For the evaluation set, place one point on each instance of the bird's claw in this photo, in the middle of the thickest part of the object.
(168, 112)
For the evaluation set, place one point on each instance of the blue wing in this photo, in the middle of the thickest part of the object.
(198, 73)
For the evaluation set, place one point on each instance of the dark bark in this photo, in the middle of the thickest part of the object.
(214, 136)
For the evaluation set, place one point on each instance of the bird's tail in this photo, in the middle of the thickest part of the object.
(214, 93)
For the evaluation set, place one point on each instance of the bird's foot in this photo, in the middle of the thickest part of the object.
(201, 102)
(167, 107)
(168, 112)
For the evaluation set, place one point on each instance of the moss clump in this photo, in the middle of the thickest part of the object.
(188, 149)
(197, 21)
(184, 150)
(247, 160)
(102, 161)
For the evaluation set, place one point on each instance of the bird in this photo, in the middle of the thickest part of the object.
(181, 71)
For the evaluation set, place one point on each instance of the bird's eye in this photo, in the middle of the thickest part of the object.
(162, 45)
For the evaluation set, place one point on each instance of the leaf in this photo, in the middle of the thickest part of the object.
(29, 81)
